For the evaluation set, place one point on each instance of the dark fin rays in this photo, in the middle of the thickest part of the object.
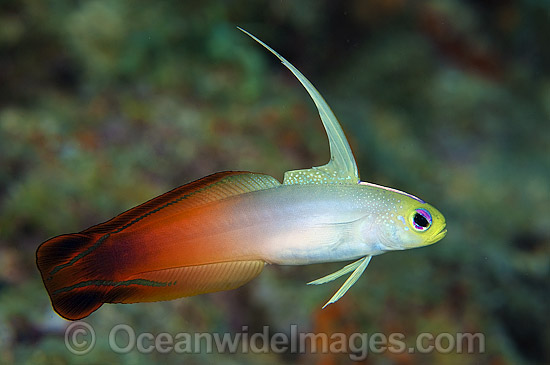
(79, 281)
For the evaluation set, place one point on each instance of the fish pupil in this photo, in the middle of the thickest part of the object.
(420, 220)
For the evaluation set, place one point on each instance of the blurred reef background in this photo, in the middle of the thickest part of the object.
(106, 104)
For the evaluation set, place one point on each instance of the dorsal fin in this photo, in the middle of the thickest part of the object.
(79, 281)
(341, 169)
(63, 252)
(199, 192)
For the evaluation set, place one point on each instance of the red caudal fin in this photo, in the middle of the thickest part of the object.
(81, 271)
(55, 261)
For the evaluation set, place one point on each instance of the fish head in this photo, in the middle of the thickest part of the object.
(406, 221)
(415, 225)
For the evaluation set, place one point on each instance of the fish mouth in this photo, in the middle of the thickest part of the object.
(438, 236)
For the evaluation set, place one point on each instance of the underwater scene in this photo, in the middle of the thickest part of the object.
(284, 182)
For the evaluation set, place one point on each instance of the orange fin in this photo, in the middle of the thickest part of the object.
(190, 280)
(79, 280)
(81, 299)
(199, 192)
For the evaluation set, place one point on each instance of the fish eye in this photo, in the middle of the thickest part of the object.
(421, 220)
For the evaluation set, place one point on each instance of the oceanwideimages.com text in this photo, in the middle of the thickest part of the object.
(80, 339)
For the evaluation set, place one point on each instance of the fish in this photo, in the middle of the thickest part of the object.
(219, 232)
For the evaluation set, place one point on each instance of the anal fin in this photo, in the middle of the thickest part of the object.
(168, 284)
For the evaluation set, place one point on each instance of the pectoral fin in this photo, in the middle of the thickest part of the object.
(341, 169)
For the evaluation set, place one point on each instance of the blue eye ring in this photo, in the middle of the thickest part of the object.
(421, 220)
